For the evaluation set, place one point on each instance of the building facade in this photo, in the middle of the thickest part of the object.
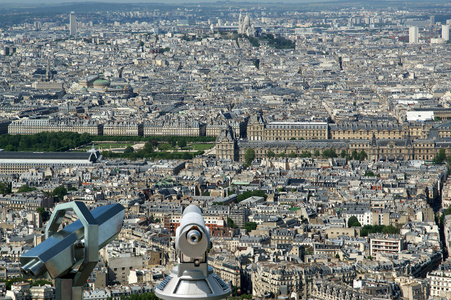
(413, 35)
(393, 149)
(259, 130)
(72, 24)
(28, 126)
(385, 244)
(179, 128)
(123, 129)
(440, 281)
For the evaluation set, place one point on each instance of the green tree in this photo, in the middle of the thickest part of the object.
(254, 41)
(362, 155)
(270, 154)
(329, 153)
(390, 230)
(439, 157)
(4, 188)
(249, 156)
(128, 150)
(369, 173)
(343, 153)
(306, 154)
(41, 282)
(145, 296)
(44, 141)
(231, 223)
(367, 229)
(40, 210)
(316, 153)
(25, 188)
(148, 148)
(249, 226)
(181, 143)
(292, 154)
(43, 212)
(281, 154)
(60, 192)
(352, 222)
(165, 147)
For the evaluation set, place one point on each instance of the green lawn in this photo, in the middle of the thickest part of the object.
(201, 147)
(106, 146)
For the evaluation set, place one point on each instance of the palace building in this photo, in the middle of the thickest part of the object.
(259, 130)
(383, 149)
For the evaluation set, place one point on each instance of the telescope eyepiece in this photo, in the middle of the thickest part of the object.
(193, 236)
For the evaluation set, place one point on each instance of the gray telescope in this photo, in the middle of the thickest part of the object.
(192, 278)
(70, 254)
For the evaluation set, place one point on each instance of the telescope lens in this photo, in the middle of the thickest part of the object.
(193, 236)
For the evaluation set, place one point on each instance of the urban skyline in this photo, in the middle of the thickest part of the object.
(315, 138)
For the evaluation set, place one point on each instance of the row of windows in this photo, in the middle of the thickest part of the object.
(295, 127)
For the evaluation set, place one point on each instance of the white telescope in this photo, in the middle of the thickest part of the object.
(192, 278)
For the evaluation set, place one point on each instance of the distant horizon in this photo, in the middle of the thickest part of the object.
(61, 2)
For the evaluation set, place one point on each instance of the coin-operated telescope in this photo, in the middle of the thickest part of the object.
(70, 254)
(192, 278)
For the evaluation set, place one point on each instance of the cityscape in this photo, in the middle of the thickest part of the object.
(314, 136)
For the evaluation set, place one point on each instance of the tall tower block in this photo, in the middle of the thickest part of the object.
(413, 35)
(73, 23)
(445, 32)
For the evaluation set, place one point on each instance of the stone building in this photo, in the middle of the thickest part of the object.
(286, 147)
(227, 268)
(393, 149)
(32, 126)
(174, 128)
(226, 146)
(274, 279)
(440, 282)
(259, 130)
(128, 128)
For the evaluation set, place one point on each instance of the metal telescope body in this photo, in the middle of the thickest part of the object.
(70, 254)
(192, 278)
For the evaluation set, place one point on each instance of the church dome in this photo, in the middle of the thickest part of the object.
(101, 83)
(247, 21)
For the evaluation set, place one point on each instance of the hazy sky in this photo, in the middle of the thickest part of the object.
(356, 2)
(192, 1)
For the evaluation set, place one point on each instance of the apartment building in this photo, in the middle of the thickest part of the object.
(440, 281)
(385, 244)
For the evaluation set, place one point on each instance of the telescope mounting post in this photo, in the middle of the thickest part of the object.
(70, 286)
